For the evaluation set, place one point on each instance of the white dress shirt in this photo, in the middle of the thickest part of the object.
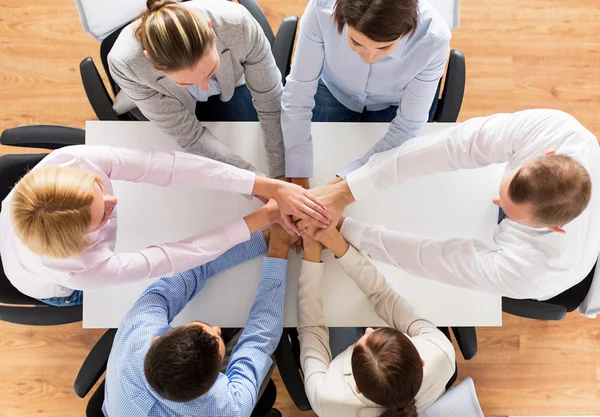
(99, 266)
(526, 262)
(201, 95)
(330, 385)
(407, 78)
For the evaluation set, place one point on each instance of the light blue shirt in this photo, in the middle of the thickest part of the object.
(127, 393)
(201, 95)
(407, 78)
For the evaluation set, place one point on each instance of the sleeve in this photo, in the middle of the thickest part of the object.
(159, 261)
(166, 297)
(315, 353)
(389, 305)
(475, 143)
(251, 360)
(263, 79)
(299, 96)
(413, 109)
(463, 263)
(171, 116)
(166, 168)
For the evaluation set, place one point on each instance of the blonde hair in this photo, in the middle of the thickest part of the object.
(51, 210)
(174, 36)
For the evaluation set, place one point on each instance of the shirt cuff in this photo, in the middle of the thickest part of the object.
(299, 166)
(360, 182)
(244, 183)
(237, 232)
(352, 166)
(274, 268)
(352, 230)
(310, 270)
(350, 258)
(256, 245)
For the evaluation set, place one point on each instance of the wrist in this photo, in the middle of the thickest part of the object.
(337, 244)
(265, 187)
(278, 251)
(343, 193)
(312, 253)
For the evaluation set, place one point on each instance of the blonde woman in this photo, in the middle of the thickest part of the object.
(58, 226)
(204, 60)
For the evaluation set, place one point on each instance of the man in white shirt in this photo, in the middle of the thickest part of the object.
(549, 240)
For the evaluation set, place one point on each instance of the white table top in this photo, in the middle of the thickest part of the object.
(456, 204)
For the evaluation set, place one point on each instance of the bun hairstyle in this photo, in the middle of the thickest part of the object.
(174, 36)
(388, 370)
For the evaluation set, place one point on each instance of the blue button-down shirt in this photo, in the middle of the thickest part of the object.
(407, 78)
(127, 393)
(201, 95)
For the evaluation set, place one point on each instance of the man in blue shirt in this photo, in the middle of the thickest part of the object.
(157, 370)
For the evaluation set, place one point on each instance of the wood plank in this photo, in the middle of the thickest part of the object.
(520, 54)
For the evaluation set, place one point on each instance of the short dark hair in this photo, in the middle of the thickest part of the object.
(388, 370)
(379, 20)
(557, 186)
(183, 364)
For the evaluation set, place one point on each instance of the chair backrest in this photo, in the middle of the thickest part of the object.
(12, 168)
(105, 48)
(257, 13)
(460, 401)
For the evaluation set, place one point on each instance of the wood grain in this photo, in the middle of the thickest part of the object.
(520, 54)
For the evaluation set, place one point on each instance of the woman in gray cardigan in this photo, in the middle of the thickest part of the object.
(201, 60)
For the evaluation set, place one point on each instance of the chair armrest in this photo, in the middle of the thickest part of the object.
(286, 363)
(96, 91)
(284, 45)
(532, 309)
(454, 89)
(94, 365)
(43, 136)
(466, 338)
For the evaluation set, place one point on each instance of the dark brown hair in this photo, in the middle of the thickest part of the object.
(388, 370)
(174, 36)
(183, 364)
(557, 186)
(379, 20)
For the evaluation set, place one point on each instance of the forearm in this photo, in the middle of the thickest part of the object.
(261, 218)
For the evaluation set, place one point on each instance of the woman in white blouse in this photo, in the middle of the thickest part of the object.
(58, 226)
(391, 371)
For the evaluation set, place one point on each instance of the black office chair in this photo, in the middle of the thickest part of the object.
(452, 88)
(287, 357)
(94, 367)
(281, 45)
(16, 307)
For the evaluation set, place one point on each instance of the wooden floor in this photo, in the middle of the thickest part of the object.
(520, 54)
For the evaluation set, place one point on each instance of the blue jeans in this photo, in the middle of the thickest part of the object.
(329, 109)
(75, 299)
(238, 109)
(342, 337)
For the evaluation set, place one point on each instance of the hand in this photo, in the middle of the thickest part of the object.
(334, 241)
(279, 242)
(295, 200)
(336, 197)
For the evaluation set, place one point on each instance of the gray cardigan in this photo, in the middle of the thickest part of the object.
(244, 51)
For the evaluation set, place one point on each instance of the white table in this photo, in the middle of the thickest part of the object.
(454, 204)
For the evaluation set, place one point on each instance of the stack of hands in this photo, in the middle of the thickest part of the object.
(312, 217)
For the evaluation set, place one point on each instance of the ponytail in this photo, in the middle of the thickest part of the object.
(409, 410)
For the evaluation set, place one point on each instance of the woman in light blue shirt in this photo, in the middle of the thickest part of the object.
(362, 61)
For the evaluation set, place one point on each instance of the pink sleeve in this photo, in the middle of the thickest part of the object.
(165, 168)
(163, 260)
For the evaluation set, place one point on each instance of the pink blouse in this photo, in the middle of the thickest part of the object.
(99, 266)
